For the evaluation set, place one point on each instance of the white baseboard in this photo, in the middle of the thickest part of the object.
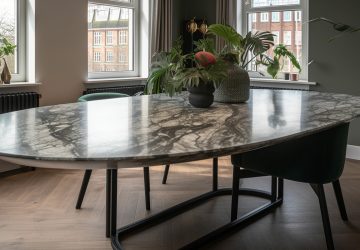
(353, 152)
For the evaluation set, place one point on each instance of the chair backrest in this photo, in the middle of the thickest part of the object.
(100, 96)
(317, 158)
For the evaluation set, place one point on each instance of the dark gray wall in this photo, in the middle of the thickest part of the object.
(336, 65)
(187, 9)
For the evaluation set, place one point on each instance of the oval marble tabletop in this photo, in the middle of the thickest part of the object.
(149, 130)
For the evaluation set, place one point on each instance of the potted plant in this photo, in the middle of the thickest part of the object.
(6, 49)
(200, 73)
(239, 52)
(274, 65)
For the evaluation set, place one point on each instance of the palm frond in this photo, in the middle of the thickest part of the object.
(228, 33)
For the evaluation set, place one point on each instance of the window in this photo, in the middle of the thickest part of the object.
(287, 37)
(97, 57)
(109, 56)
(109, 37)
(275, 17)
(287, 16)
(122, 57)
(264, 17)
(13, 28)
(298, 38)
(286, 23)
(123, 37)
(97, 38)
(254, 17)
(117, 22)
(268, 3)
(276, 37)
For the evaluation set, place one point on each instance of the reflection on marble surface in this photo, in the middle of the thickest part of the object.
(146, 128)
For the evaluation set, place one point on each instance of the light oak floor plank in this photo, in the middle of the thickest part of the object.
(37, 211)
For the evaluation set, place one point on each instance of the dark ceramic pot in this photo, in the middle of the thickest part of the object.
(202, 96)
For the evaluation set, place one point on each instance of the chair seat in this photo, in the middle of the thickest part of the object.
(317, 158)
(100, 96)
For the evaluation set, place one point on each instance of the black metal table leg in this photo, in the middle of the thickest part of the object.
(108, 198)
(215, 174)
(113, 202)
(147, 187)
(280, 188)
(274, 188)
(235, 193)
(234, 225)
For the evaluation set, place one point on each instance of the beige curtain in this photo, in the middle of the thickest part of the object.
(225, 14)
(161, 25)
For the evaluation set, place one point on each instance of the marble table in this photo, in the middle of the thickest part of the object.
(153, 130)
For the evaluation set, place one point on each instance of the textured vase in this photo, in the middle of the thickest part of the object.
(235, 88)
(202, 96)
(6, 75)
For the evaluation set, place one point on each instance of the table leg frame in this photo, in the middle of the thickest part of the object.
(234, 225)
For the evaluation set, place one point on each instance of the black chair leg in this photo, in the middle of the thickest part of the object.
(235, 193)
(319, 190)
(83, 188)
(340, 200)
(147, 187)
(167, 168)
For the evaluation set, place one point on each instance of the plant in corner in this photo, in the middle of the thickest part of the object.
(6, 49)
(200, 73)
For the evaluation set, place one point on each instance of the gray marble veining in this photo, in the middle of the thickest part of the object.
(153, 129)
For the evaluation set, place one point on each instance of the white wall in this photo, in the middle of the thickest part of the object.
(60, 49)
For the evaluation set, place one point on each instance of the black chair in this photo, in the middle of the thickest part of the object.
(88, 172)
(314, 159)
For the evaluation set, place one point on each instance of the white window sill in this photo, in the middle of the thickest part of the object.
(20, 85)
(116, 80)
(280, 83)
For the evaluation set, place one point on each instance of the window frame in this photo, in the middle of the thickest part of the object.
(264, 14)
(109, 38)
(246, 9)
(134, 5)
(97, 37)
(287, 34)
(290, 19)
(97, 59)
(273, 20)
(109, 56)
(20, 41)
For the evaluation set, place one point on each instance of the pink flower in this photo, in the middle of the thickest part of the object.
(205, 59)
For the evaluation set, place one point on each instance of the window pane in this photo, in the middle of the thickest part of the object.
(287, 32)
(110, 34)
(266, 3)
(8, 28)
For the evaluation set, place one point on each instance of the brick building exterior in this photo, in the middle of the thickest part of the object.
(108, 43)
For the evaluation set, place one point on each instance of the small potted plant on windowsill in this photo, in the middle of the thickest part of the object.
(6, 49)
(200, 73)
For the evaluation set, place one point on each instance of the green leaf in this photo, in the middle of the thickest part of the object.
(274, 68)
(228, 33)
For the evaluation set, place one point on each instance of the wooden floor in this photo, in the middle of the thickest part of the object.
(37, 211)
